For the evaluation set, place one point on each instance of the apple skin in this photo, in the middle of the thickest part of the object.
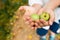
(45, 16)
(34, 17)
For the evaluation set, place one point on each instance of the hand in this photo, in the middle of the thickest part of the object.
(28, 11)
(50, 21)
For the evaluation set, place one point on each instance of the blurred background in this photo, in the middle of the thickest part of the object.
(7, 9)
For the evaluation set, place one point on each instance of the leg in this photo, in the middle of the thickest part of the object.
(42, 32)
(55, 27)
(52, 36)
(43, 37)
(58, 31)
(57, 19)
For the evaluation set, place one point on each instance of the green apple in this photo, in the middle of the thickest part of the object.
(34, 17)
(45, 16)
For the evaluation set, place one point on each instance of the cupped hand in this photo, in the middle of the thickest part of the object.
(28, 12)
(51, 19)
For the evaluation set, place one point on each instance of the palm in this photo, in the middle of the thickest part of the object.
(28, 11)
(51, 18)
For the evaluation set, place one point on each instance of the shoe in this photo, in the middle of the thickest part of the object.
(52, 38)
(43, 38)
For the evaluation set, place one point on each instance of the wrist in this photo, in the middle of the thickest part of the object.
(48, 8)
(36, 6)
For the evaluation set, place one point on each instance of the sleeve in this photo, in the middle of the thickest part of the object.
(31, 2)
(45, 1)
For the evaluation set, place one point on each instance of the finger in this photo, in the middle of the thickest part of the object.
(40, 11)
(23, 7)
(40, 24)
(32, 28)
(27, 22)
(36, 24)
(32, 23)
(36, 28)
(52, 17)
(37, 21)
(26, 18)
(44, 22)
(30, 20)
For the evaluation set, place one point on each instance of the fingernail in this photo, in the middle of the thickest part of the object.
(51, 23)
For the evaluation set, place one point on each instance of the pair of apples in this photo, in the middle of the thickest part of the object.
(44, 16)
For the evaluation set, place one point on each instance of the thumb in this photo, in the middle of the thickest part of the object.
(40, 11)
(52, 18)
(51, 21)
(23, 7)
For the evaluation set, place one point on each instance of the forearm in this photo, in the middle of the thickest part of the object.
(37, 6)
(52, 4)
(35, 3)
